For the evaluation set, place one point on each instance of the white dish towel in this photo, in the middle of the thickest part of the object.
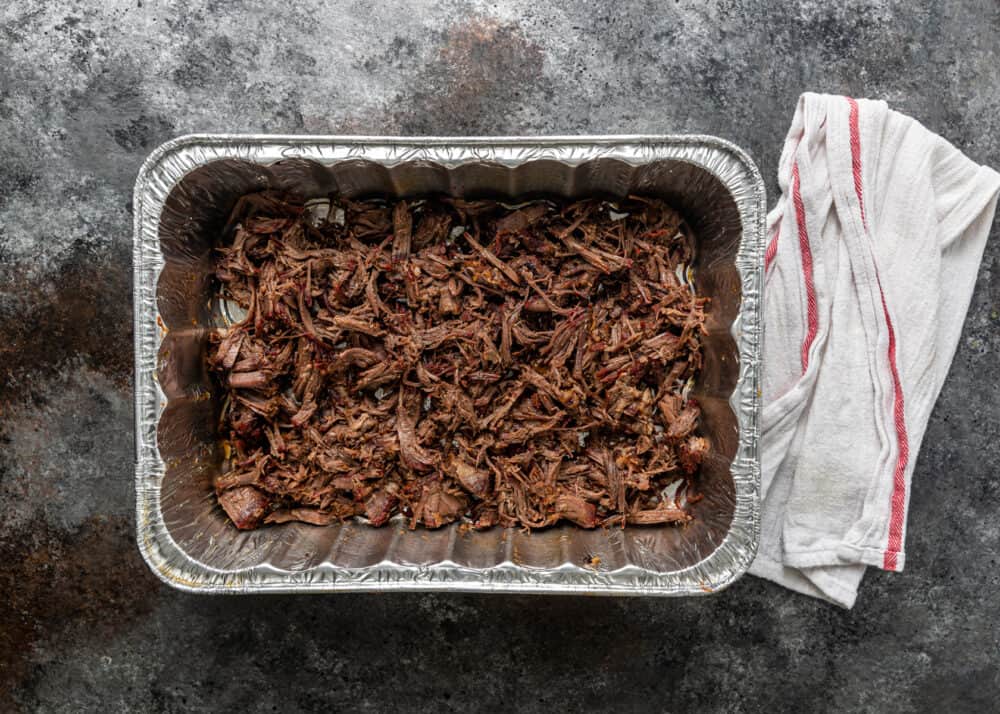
(873, 250)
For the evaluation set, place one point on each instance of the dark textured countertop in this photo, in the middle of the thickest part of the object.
(86, 92)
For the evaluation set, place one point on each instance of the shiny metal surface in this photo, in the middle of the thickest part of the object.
(183, 195)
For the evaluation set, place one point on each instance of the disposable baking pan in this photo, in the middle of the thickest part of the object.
(183, 195)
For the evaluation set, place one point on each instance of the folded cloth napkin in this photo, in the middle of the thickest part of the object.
(873, 251)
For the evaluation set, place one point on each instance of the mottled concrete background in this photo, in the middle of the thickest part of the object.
(88, 89)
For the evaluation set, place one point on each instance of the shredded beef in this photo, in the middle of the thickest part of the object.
(447, 359)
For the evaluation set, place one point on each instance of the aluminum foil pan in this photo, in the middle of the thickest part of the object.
(183, 196)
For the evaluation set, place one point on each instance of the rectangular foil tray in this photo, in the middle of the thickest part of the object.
(183, 195)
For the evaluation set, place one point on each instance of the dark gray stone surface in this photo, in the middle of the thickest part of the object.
(88, 89)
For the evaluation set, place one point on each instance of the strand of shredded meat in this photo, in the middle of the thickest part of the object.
(447, 359)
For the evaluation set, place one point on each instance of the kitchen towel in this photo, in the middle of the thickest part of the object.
(873, 250)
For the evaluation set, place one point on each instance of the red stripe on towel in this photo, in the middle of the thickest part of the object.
(772, 247)
(856, 156)
(897, 515)
(897, 512)
(812, 313)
